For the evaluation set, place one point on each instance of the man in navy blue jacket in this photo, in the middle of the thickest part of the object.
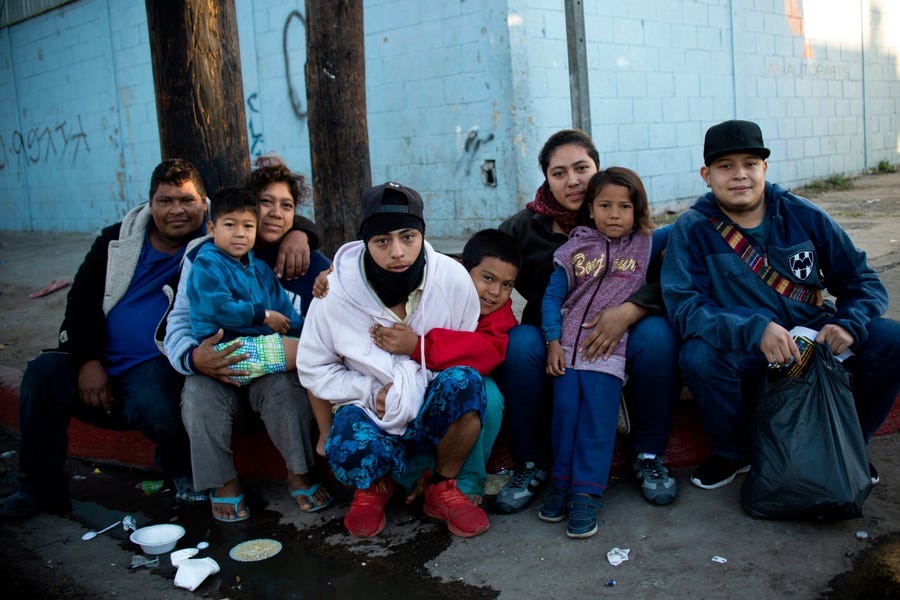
(735, 324)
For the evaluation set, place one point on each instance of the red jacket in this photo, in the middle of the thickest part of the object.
(483, 349)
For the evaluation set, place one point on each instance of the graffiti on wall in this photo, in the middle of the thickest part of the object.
(803, 70)
(293, 95)
(257, 145)
(470, 148)
(43, 144)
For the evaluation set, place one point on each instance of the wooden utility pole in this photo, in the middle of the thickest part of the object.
(338, 127)
(578, 76)
(199, 94)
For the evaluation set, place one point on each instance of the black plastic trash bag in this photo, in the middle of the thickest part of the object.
(809, 456)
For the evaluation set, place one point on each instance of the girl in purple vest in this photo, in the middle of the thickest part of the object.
(604, 261)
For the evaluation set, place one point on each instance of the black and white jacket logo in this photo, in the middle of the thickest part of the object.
(801, 264)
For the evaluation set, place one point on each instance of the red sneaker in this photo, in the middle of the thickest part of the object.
(445, 502)
(366, 515)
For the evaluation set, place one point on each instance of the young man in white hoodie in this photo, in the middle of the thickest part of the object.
(388, 407)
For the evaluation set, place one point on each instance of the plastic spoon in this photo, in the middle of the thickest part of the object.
(92, 534)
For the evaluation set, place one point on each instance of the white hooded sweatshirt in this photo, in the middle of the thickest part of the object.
(337, 359)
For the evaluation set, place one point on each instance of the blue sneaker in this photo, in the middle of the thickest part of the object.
(582, 516)
(554, 508)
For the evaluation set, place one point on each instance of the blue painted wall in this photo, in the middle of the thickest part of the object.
(461, 95)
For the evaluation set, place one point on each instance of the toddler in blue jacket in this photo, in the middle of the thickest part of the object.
(228, 289)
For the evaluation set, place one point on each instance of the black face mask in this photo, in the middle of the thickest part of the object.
(394, 288)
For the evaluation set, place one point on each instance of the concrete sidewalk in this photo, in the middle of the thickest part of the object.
(519, 557)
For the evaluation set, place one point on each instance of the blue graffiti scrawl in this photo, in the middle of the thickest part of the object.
(43, 144)
(257, 145)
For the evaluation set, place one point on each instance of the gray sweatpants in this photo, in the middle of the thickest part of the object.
(210, 409)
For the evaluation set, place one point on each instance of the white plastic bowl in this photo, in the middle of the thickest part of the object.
(158, 539)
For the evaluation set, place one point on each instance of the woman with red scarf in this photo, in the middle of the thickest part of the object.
(568, 160)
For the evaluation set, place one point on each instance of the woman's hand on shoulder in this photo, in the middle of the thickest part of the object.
(320, 286)
(293, 255)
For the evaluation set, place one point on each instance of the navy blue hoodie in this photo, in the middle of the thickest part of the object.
(710, 293)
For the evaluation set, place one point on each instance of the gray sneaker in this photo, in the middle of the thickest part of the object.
(520, 489)
(656, 484)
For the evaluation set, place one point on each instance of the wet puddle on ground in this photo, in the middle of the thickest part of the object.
(306, 567)
(875, 573)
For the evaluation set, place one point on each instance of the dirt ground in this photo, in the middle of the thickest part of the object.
(520, 557)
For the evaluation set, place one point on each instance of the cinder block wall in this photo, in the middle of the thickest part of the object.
(461, 96)
(440, 120)
(78, 133)
(822, 84)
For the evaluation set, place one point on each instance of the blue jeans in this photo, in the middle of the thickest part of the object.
(146, 397)
(652, 368)
(720, 381)
(585, 410)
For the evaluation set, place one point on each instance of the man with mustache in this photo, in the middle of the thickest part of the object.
(108, 369)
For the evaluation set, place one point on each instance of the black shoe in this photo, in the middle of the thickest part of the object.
(873, 474)
(718, 471)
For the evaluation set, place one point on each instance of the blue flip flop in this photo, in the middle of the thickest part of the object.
(309, 493)
(234, 502)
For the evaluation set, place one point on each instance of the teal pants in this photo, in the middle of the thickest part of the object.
(472, 474)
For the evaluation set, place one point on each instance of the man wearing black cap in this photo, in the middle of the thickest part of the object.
(389, 407)
(747, 263)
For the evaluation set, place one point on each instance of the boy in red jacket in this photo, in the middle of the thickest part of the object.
(492, 259)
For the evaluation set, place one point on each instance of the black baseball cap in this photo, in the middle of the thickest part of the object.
(732, 137)
(390, 206)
